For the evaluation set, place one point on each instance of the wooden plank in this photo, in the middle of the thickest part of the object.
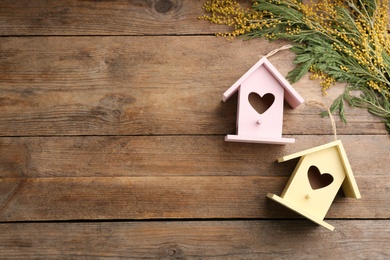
(132, 156)
(70, 17)
(143, 85)
(203, 197)
(119, 17)
(290, 239)
(47, 178)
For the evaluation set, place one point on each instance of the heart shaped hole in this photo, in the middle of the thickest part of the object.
(261, 104)
(318, 180)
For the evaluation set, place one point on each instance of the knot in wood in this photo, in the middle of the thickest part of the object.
(172, 252)
(117, 113)
(163, 6)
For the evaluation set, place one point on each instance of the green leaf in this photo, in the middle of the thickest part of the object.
(337, 105)
(388, 125)
(299, 71)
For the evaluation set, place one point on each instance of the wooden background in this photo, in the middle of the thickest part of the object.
(112, 142)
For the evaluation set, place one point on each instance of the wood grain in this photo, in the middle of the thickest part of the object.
(103, 198)
(157, 156)
(143, 86)
(290, 239)
(111, 142)
(138, 177)
(116, 17)
(109, 17)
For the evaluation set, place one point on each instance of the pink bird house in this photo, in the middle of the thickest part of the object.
(261, 94)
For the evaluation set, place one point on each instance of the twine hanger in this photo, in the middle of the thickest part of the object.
(284, 47)
(321, 105)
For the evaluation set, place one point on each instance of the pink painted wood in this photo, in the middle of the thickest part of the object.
(266, 127)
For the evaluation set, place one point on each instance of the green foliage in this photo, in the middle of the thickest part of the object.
(376, 103)
(336, 40)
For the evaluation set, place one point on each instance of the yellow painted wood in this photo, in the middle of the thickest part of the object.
(312, 202)
(300, 211)
(350, 187)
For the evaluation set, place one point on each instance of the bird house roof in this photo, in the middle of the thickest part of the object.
(349, 185)
(290, 94)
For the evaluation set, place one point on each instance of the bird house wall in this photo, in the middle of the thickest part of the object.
(262, 82)
(299, 190)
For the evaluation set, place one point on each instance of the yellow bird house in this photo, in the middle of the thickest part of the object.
(316, 179)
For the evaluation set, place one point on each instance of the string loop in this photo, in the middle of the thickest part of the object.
(321, 105)
(284, 47)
